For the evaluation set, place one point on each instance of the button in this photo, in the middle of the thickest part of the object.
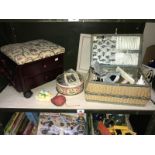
(45, 66)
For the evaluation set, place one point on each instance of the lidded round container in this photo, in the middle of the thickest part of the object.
(69, 83)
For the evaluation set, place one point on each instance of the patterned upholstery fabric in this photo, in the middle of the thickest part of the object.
(115, 50)
(30, 51)
(104, 50)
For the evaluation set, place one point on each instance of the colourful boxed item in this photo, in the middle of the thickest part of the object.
(111, 124)
(62, 124)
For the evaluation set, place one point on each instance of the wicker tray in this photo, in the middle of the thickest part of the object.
(116, 93)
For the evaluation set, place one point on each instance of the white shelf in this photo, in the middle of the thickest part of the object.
(11, 99)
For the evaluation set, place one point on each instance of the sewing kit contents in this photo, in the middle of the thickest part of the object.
(117, 76)
(69, 83)
(111, 124)
(115, 73)
(62, 124)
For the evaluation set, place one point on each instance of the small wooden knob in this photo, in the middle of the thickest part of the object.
(44, 66)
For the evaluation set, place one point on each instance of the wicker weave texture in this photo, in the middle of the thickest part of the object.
(116, 100)
(119, 90)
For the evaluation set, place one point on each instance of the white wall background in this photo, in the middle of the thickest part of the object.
(149, 36)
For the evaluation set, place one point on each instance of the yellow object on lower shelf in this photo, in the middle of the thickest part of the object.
(121, 130)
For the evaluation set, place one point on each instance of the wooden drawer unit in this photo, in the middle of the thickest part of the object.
(32, 82)
(31, 69)
(30, 64)
(44, 65)
(28, 76)
(48, 76)
(53, 62)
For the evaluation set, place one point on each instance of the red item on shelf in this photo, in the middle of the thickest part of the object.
(58, 100)
(103, 130)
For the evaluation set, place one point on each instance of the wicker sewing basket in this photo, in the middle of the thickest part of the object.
(117, 93)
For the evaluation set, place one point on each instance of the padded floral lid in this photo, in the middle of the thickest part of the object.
(30, 51)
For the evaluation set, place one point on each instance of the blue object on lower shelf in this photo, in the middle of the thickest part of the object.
(33, 117)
